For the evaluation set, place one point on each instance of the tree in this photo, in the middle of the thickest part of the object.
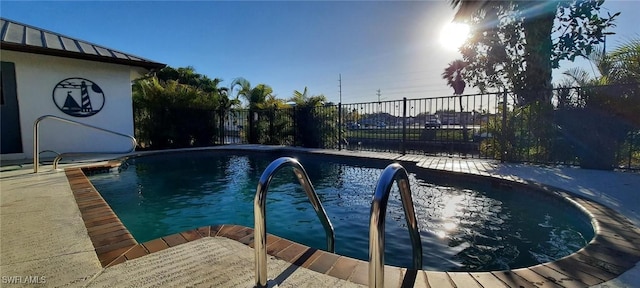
(278, 119)
(621, 66)
(314, 119)
(511, 49)
(303, 99)
(188, 76)
(511, 46)
(172, 115)
(621, 70)
(609, 112)
(453, 75)
(627, 62)
(256, 98)
(177, 108)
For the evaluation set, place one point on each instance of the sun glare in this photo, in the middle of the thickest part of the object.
(453, 35)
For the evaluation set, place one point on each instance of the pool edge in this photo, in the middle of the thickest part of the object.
(609, 254)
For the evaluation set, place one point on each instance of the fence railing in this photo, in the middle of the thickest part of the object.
(591, 126)
(444, 125)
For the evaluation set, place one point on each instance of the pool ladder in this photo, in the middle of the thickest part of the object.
(259, 204)
(393, 173)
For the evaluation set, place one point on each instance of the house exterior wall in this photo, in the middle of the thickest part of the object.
(37, 76)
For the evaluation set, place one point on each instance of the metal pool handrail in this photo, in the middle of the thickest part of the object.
(259, 204)
(376, 224)
(36, 141)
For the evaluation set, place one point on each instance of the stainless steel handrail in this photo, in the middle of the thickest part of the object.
(376, 224)
(56, 161)
(36, 141)
(259, 204)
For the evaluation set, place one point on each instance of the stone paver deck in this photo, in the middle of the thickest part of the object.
(55, 225)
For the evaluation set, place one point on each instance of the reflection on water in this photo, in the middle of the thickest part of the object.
(463, 227)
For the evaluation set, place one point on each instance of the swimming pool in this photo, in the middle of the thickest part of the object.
(464, 226)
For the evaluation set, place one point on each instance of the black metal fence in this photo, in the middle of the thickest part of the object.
(596, 127)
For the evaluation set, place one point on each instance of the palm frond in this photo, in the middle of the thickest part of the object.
(453, 71)
(466, 8)
(626, 62)
(579, 75)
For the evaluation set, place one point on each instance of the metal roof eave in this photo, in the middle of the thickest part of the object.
(151, 66)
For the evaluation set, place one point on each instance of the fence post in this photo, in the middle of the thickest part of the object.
(249, 124)
(632, 144)
(504, 127)
(272, 118)
(403, 144)
(340, 127)
(222, 132)
(295, 125)
(252, 130)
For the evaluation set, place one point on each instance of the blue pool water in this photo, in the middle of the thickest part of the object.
(464, 226)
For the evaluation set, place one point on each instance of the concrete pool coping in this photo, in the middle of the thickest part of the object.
(610, 254)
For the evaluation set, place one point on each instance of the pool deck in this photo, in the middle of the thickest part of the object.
(56, 230)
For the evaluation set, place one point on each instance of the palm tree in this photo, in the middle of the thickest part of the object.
(626, 62)
(466, 8)
(607, 104)
(188, 76)
(453, 75)
(619, 68)
(582, 77)
(314, 120)
(256, 98)
(303, 99)
(299, 97)
(172, 114)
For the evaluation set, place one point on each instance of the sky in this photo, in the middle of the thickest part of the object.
(391, 46)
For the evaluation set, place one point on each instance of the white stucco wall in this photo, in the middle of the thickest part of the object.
(36, 77)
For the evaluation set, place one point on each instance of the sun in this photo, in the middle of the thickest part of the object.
(453, 35)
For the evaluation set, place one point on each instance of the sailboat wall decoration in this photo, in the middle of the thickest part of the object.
(78, 97)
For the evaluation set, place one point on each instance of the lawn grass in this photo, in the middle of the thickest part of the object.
(413, 134)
